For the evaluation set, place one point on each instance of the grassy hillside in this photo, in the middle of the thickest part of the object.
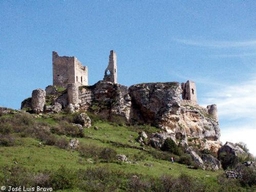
(35, 152)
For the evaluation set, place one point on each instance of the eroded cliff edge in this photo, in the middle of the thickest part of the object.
(158, 104)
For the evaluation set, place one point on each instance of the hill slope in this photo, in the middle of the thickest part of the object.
(36, 151)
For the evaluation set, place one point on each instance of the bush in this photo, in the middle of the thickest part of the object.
(186, 159)
(7, 140)
(108, 154)
(90, 151)
(16, 176)
(248, 178)
(67, 129)
(170, 146)
(62, 143)
(63, 178)
(100, 179)
(228, 160)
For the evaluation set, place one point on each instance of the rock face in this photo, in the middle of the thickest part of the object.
(158, 104)
(229, 154)
(38, 100)
(84, 120)
(185, 122)
(106, 99)
(151, 101)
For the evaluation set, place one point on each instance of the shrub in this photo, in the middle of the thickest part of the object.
(63, 178)
(7, 140)
(186, 159)
(228, 160)
(62, 143)
(6, 128)
(136, 183)
(100, 179)
(90, 151)
(248, 178)
(108, 154)
(16, 176)
(170, 146)
(67, 129)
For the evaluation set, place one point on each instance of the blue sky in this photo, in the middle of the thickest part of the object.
(210, 42)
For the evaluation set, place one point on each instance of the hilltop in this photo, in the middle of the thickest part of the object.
(107, 137)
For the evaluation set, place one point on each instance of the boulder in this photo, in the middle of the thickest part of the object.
(230, 153)
(38, 100)
(121, 157)
(196, 158)
(84, 120)
(157, 139)
(210, 162)
(73, 143)
(51, 90)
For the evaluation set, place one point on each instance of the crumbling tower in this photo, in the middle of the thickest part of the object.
(189, 91)
(68, 70)
(111, 70)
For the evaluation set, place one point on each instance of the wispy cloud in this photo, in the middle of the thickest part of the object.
(244, 134)
(217, 44)
(235, 101)
(248, 54)
(236, 109)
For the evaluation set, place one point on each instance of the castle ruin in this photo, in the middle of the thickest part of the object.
(189, 91)
(111, 70)
(67, 70)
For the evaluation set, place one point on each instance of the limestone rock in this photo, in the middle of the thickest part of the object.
(38, 100)
(51, 90)
(210, 162)
(157, 139)
(26, 104)
(150, 101)
(121, 157)
(196, 158)
(74, 143)
(232, 149)
(84, 120)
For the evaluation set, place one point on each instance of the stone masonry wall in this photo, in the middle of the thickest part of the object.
(67, 70)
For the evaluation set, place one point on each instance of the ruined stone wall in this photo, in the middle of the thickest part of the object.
(111, 70)
(189, 91)
(85, 97)
(67, 70)
(81, 73)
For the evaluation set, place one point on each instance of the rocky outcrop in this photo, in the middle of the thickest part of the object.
(84, 120)
(106, 99)
(38, 100)
(185, 122)
(151, 101)
(158, 104)
(230, 153)
(210, 162)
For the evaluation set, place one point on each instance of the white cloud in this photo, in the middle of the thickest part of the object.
(235, 101)
(217, 44)
(236, 110)
(244, 134)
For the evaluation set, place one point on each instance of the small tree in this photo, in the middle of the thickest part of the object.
(170, 146)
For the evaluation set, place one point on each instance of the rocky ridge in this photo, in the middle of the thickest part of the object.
(157, 104)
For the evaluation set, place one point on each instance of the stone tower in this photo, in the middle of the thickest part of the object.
(111, 70)
(68, 70)
(189, 91)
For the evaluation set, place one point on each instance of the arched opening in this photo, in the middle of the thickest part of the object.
(81, 79)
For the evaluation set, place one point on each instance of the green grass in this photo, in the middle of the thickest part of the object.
(36, 157)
